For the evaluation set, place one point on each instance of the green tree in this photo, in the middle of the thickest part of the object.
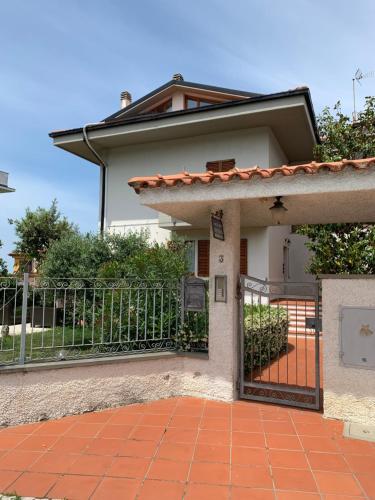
(3, 266)
(37, 229)
(343, 248)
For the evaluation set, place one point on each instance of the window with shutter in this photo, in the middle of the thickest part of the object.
(220, 165)
(203, 258)
(243, 256)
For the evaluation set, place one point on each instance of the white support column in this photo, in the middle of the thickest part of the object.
(225, 260)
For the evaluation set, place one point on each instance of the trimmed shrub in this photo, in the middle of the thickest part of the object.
(265, 334)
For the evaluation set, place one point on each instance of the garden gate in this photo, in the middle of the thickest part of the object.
(279, 344)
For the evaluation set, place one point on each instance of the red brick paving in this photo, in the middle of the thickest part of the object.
(187, 448)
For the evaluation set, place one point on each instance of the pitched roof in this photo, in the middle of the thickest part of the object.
(246, 174)
(183, 84)
(127, 120)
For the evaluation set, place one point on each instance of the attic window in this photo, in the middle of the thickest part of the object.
(220, 165)
(164, 107)
(197, 102)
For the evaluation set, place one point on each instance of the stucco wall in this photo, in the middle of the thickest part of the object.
(247, 146)
(349, 393)
(52, 393)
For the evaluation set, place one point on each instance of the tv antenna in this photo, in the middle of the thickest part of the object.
(359, 75)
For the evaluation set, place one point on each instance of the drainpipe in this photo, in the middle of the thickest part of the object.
(103, 172)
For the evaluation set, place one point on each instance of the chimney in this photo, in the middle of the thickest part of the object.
(125, 99)
(178, 77)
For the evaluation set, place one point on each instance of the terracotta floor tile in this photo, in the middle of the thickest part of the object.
(206, 436)
(355, 446)
(243, 412)
(249, 456)
(19, 460)
(176, 451)
(10, 441)
(145, 449)
(189, 411)
(116, 489)
(68, 444)
(154, 490)
(53, 462)
(215, 423)
(84, 430)
(213, 473)
(115, 431)
(293, 479)
(252, 476)
(312, 429)
(168, 470)
(154, 420)
(97, 417)
(125, 418)
(75, 487)
(332, 496)
(251, 494)
(184, 422)
(212, 453)
(283, 442)
(333, 462)
(90, 465)
(305, 416)
(53, 428)
(34, 484)
(217, 412)
(288, 459)
(298, 495)
(176, 435)
(338, 483)
(37, 443)
(131, 467)
(103, 446)
(7, 477)
(147, 433)
(247, 425)
(277, 427)
(206, 492)
(250, 439)
(367, 481)
(22, 429)
(324, 444)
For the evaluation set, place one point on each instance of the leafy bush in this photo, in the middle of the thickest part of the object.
(265, 334)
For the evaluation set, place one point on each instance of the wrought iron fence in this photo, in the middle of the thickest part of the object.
(45, 319)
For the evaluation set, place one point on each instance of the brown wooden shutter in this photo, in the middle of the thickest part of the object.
(220, 165)
(243, 256)
(203, 258)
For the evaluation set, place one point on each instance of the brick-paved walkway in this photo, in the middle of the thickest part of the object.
(187, 448)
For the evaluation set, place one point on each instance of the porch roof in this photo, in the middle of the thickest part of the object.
(246, 174)
(314, 193)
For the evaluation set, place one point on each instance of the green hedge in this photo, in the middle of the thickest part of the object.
(266, 334)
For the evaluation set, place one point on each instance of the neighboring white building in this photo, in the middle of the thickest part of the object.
(4, 188)
(184, 126)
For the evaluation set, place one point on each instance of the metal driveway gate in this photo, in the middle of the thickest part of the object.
(280, 342)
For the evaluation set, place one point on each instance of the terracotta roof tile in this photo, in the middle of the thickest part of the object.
(244, 174)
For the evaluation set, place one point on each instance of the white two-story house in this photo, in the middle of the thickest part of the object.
(184, 126)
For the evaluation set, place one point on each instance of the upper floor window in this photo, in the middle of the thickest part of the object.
(197, 102)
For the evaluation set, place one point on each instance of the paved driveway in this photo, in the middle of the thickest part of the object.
(187, 448)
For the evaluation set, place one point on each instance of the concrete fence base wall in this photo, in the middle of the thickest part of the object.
(349, 393)
(45, 392)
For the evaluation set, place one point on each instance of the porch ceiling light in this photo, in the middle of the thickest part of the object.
(278, 211)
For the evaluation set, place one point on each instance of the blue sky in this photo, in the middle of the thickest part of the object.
(64, 63)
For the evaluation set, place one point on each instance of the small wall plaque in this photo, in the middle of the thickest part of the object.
(194, 294)
(217, 225)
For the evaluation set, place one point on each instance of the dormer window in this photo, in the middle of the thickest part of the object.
(192, 102)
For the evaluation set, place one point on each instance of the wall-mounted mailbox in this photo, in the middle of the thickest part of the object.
(358, 337)
(220, 288)
(194, 294)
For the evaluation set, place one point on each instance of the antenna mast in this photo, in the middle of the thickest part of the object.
(357, 78)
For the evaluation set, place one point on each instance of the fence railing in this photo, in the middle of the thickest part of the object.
(46, 319)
